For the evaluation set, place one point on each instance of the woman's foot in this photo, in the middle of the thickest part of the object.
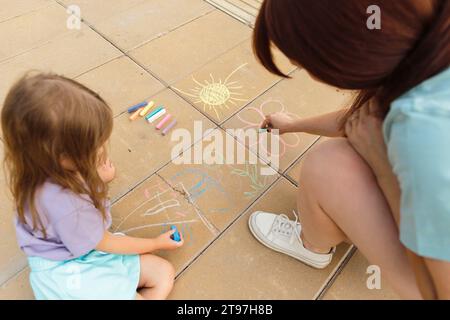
(279, 233)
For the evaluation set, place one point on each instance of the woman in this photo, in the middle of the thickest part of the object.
(383, 181)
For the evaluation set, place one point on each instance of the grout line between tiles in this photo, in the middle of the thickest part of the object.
(158, 169)
(15, 274)
(209, 224)
(162, 81)
(162, 166)
(258, 96)
(91, 26)
(221, 234)
(235, 17)
(219, 125)
(336, 272)
(162, 34)
(296, 161)
(26, 13)
(170, 86)
(124, 52)
(37, 46)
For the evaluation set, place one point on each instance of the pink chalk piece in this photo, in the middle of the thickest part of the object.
(146, 193)
(169, 126)
(163, 121)
(180, 214)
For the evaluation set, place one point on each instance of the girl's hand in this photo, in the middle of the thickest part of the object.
(279, 120)
(164, 242)
(364, 132)
(107, 171)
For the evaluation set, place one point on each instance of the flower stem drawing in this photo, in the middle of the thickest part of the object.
(256, 183)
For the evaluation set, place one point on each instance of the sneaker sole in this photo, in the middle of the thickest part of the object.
(278, 249)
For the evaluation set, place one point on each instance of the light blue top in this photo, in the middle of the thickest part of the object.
(417, 134)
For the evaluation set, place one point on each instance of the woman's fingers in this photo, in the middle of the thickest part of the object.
(265, 123)
(373, 107)
(365, 109)
(349, 126)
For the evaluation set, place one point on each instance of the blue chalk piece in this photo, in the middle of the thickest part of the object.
(136, 107)
(176, 236)
(151, 114)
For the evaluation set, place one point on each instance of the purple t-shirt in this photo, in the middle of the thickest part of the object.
(74, 226)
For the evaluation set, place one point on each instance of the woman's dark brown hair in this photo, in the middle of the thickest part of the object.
(330, 39)
(47, 118)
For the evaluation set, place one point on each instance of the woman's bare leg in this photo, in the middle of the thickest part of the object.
(156, 279)
(339, 198)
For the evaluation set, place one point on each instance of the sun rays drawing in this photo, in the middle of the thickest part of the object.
(217, 95)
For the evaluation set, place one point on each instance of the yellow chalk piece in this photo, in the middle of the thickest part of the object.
(135, 115)
(147, 109)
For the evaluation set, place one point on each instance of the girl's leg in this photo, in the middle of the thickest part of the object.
(339, 198)
(157, 277)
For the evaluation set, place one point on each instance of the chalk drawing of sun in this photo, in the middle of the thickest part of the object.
(216, 95)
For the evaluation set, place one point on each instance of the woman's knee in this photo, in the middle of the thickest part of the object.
(332, 161)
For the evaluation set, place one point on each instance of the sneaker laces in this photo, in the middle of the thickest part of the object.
(283, 226)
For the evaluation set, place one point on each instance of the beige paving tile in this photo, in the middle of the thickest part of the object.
(351, 283)
(150, 209)
(148, 20)
(18, 288)
(94, 11)
(122, 83)
(299, 97)
(138, 149)
(225, 85)
(11, 9)
(32, 29)
(197, 43)
(11, 257)
(68, 55)
(221, 191)
(237, 266)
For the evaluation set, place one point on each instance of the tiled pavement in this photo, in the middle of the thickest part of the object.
(161, 50)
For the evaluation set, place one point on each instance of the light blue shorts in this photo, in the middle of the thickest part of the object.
(417, 134)
(94, 276)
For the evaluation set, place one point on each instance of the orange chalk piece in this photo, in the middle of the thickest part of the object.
(135, 115)
(147, 109)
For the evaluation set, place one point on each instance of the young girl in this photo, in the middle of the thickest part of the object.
(383, 180)
(55, 132)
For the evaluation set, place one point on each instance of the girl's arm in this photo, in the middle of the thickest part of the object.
(119, 244)
(323, 125)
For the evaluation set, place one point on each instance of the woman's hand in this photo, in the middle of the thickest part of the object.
(327, 124)
(107, 171)
(165, 242)
(364, 132)
(279, 121)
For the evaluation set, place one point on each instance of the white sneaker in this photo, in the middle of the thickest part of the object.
(279, 233)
